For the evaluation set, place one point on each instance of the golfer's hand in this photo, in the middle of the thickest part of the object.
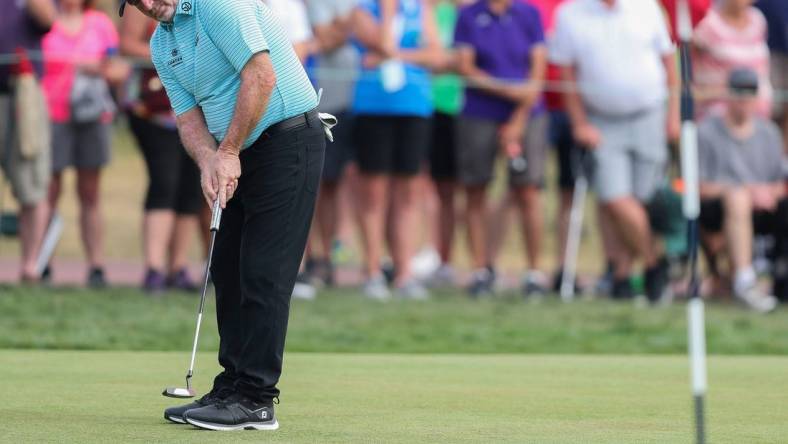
(219, 176)
(587, 136)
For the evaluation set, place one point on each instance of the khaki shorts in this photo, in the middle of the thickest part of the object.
(779, 68)
(632, 159)
(29, 178)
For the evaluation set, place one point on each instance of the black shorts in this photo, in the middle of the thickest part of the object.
(712, 218)
(339, 152)
(173, 177)
(391, 144)
(443, 150)
(562, 140)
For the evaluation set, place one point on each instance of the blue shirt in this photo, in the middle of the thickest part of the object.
(503, 45)
(199, 57)
(776, 13)
(415, 98)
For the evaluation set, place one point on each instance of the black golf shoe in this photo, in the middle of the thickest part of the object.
(657, 282)
(234, 413)
(175, 414)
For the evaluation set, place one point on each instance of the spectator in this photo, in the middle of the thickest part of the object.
(501, 52)
(733, 34)
(336, 62)
(618, 61)
(22, 24)
(560, 135)
(76, 52)
(293, 15)
(776, 13)
(447, 98)
(697, 9)
(398, 41)
(173, 199)
(741, 186)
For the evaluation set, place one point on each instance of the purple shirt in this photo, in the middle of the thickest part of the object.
(503, 45)
(17, 30)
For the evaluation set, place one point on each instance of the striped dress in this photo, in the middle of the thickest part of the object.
(723, 48)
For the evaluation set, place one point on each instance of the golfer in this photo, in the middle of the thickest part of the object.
(246, 115)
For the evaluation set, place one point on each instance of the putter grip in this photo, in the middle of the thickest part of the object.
(216, 217)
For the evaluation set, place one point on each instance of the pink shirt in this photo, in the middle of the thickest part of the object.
(96, 39)
(725, 48)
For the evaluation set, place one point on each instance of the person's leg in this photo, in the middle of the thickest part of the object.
(738, 228)
(477, 148)
(374, 140)
(446, 219)
(32, 225)
(278, 207)
(91, 154)
(90, 222)
(443, 170)
(226, 276)
(527, 187)
(476, 219)
(404, 201)
(530, 205)
(159, 147)
(374, 203)
(188, 204)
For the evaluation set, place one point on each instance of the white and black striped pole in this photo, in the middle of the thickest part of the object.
(691, 206)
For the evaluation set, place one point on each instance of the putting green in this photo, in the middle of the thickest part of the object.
(88, 397)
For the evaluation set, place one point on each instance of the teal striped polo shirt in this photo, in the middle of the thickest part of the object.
(199, 57)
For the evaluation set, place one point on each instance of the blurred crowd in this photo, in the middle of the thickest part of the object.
(436, 99)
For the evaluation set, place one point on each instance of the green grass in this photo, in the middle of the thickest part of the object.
(86, 397)
(343, 321)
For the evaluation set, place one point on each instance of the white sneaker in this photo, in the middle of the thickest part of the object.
(413, 290)
(756, 300)
(443, 277)
(303, 289)
(425, 263)
(375, 288)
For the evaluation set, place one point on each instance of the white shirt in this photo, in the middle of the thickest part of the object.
(617, 52)
(292, 14)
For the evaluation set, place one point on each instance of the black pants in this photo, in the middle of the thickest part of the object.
(259, 247)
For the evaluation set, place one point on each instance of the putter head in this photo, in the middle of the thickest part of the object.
(178, 392)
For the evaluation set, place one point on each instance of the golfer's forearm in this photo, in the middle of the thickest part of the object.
(257, 82)
(196, 139)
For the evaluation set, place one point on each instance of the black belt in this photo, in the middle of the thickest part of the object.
(308, 119)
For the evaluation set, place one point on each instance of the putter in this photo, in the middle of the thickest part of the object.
(575, 233)
(188, 391)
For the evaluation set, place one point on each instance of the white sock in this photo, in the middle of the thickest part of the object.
(744, 279)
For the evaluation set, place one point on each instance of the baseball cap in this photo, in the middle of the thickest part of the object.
(743, 81)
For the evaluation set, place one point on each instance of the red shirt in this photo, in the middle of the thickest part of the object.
(547, 8)
(698, 10)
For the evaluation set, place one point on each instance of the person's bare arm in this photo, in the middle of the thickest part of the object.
(368, 32)
(478, 78)
(134, 34)
(584, 133)
(513, 130)
(331, 36)
(674, 112)
(43, 12)
(430, 54)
